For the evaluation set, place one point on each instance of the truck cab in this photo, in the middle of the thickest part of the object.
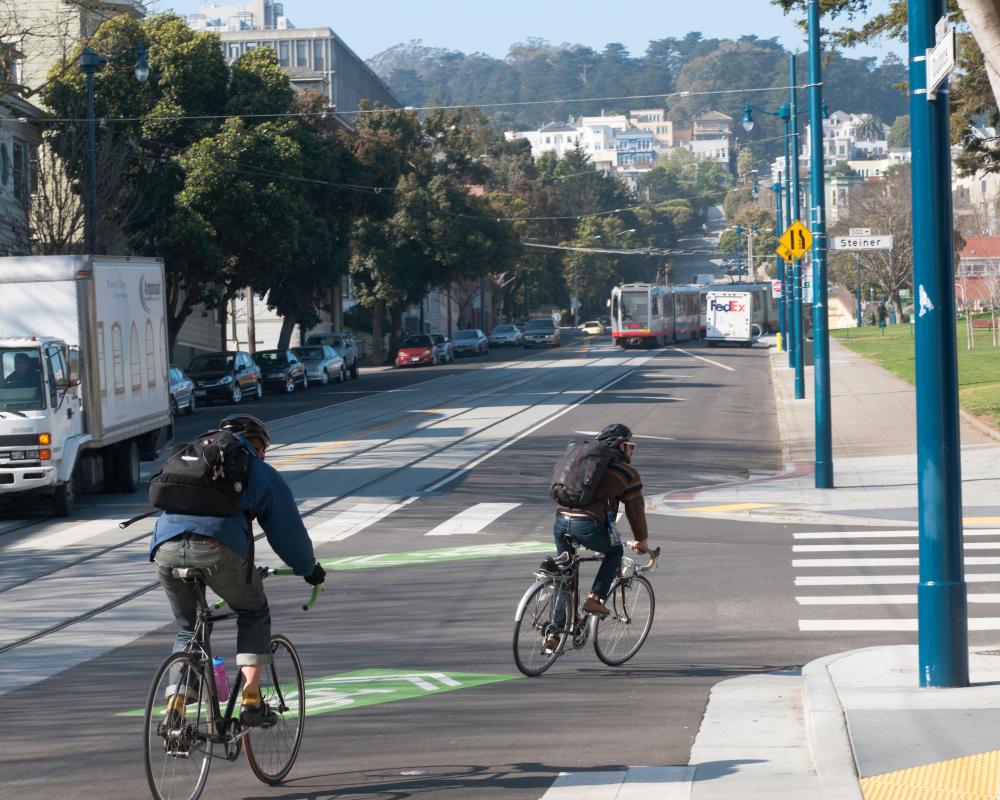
(41, 424)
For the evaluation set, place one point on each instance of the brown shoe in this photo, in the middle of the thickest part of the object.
(550, 644)
(592, 606)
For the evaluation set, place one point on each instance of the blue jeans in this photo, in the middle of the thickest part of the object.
(594, 536)
(226, 575)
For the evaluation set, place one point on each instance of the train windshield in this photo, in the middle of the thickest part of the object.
(635, 306)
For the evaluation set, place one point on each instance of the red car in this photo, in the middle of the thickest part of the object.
(416, 350)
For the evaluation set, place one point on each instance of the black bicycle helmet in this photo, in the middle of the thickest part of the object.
(248, 426)
(614, 434)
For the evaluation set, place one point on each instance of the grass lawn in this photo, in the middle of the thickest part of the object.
(978, 369)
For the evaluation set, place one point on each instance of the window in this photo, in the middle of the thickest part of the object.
(284, 59)
(301, 54)
(234, 52)
(251, 46)
(318, 62)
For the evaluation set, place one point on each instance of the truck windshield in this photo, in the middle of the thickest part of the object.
(20, 380)
(635, 306)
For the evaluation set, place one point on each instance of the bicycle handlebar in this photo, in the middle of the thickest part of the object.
(654, 556)
(266, 572)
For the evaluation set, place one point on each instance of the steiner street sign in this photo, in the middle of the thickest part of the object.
(876, 242)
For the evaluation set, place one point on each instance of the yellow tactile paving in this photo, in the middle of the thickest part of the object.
(981, 520)
(968, 778)
(732, 507)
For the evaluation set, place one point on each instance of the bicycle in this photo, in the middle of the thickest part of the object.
(185, 739)
(556, 592)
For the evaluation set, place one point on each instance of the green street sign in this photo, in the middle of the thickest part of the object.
(437, 555)
(369, 687)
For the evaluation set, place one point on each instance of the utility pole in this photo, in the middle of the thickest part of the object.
(857, 264)
(942, 613)
(739, 255)
(788, 221)
(750, 271)
(780, 264)
(821, 322)
(800, 386)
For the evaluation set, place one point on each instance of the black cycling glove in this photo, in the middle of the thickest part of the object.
(317, 576)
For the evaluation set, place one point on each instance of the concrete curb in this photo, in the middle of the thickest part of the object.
(827, 734)
(979, 425)
(786, 450)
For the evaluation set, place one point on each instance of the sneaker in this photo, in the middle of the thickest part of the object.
(550, 644)
(257, 715)
(592, 606)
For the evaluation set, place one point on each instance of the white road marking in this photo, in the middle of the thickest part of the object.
(881, 599)
(881, 548)
(472, 519)
(883, 562)
(658, 398)
(635, 783)
(912, 534)
(975, 624)
(634, 436)
(706, 360)
(878, 580)
(68, 536)
(350, 521)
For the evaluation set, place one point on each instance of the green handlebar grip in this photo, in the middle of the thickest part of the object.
(219, 603)
(312, 597)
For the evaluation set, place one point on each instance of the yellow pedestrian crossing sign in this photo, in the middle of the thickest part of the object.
(797, 239)
(783, 251)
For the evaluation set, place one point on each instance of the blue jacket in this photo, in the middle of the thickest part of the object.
(269, 498)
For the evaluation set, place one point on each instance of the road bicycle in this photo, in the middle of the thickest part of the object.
(180, 739)
(556, 593)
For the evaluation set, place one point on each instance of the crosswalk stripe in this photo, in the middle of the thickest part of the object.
(800, 563)
(881, 599)
(910, 534)
(876, 580)
(351, 521)
(473, 519)
(975, 624)
(635, 783)
(880, 548)
(68, 536)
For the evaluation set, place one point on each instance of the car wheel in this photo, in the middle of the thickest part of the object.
(354, 370)
(192, 405)
(289, 384)
(434, 360)
(342, 374)
(325, 380)
(237, 394)
(305, 381)
(173, 407)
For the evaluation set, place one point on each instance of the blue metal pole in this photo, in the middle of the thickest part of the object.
(790, 346)
(821, 324)
(739, 255)
(941, 594)
(800, 384)
(780, 263)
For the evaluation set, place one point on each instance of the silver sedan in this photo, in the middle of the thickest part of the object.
(322, 363)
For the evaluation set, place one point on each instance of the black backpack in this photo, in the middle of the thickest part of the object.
(576, 476)
(205, 477)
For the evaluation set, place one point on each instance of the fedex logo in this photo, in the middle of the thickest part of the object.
(732, 305)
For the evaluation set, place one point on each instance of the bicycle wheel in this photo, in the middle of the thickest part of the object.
(178, 747)
(272, 750)
(618, 636)
(535, 620)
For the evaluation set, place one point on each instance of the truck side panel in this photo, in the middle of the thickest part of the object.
(39, 309)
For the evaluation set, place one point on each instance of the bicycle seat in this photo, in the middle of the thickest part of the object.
(189, 573)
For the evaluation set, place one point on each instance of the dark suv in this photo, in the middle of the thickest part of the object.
(227, 376)
(282, 370)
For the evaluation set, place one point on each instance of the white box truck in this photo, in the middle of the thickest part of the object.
(729, 318)
(84, 392)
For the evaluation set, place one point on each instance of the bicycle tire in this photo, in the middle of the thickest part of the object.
(181, 742)
(271, 751)
(616, 637)
(536, 618)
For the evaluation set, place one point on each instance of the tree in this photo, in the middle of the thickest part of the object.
(870, 129)
(899, 134)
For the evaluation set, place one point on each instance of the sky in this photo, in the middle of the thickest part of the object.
(491, 27)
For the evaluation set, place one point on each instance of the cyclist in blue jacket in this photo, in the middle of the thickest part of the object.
(222, 547)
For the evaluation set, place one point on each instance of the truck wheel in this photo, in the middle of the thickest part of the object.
(127, 467)
(354, 370)
(63, 499)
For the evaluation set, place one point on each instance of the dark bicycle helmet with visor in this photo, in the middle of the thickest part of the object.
(248, 426)
(614, 434)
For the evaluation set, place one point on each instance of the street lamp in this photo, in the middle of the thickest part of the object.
(90, 60)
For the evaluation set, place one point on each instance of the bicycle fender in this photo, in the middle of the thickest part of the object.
(524, 599)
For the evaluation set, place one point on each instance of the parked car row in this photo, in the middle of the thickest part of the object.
(232, 376)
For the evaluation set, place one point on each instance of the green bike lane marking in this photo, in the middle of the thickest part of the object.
(437, 555)
(369, 687)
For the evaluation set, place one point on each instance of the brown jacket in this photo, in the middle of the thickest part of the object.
(621, 484)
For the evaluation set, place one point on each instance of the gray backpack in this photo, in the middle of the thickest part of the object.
(576, 476)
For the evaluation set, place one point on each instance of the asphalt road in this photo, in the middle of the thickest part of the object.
(409, 462)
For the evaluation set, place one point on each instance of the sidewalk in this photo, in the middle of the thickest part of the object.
(852, 725)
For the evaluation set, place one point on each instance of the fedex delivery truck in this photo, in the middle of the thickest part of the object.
(84, 393)
(729, 318)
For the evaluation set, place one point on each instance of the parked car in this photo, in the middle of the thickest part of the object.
(229, 375)
(593, 328)
(323, 364)
(416, 350)
(282, 370)
(181, 391)
(444, 348)
(470, 342)
(506, 335)
(541, 332)
(343, 343)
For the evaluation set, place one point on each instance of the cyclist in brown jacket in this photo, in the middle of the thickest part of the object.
(594, 526)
